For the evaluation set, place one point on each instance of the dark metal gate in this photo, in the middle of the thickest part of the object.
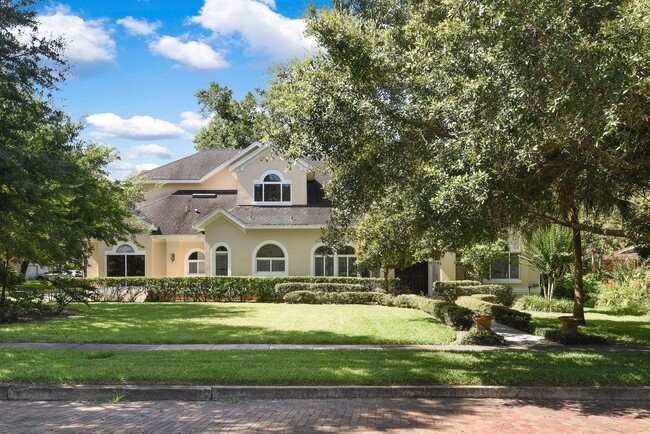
(415, 277)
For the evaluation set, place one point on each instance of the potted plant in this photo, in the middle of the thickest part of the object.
(483, 322)
(569, 325)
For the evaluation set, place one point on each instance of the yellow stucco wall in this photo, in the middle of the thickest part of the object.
(157, 256)
(254, 170)
(223, 180)
(298, 242)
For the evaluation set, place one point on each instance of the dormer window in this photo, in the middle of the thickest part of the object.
(272, 189)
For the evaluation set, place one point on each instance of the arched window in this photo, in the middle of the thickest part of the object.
(196, 263)
(324, 261)
(334, 263)
(272, 189)
(123, 261)
(270, 259)
(347, 261)
(221, 261)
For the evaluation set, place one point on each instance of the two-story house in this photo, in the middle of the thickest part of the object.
(241, 213)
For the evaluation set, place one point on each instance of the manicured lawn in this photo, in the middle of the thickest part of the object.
(228, 323)
(622, 328)
(323, 367)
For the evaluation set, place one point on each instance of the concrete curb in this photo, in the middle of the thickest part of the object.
(108, 393)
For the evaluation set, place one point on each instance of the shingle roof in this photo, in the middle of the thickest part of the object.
(177, 213)
(192, 168)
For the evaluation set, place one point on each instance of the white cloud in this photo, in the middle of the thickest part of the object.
(120, 169)
(192, 54)
(88, 42)
(137, 127)
(150, 150)
(260, 27)
(135, 26)
(193, 121)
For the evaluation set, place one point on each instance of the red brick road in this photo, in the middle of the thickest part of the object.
(332, 415)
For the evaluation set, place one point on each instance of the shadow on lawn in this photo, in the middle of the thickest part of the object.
(631, 332)
(166, 323)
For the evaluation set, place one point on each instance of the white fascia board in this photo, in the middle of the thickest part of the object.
(284, 226)
(245, 161)
(201, 224)
(160, 238)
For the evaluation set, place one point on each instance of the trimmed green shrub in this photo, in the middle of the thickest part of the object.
(538, 303)
(285, 288)
(354, 298)
(304, 297)
(456, 317)
(504, 294)
(502, 315)
(444, 286)
(491, 339)
(211, 288)
(490, 298)
(578, 339)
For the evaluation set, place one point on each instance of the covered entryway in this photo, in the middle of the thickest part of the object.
(415, 277)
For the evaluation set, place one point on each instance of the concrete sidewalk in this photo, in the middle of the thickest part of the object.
(516, 339)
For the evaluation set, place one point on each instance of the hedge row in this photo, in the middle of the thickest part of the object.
(447, 284)
(454, 316)
(541, 304)
(504, 294)
(208, 288)
(284, 288)
(502, 315)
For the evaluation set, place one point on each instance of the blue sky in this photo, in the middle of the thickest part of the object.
(137, 64)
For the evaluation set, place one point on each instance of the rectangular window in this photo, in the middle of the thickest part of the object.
(506, 268)
(221, 265)
(272, 193)
(277, 265)
(263, 265)
(258, 193)
(115, 266)
(135, 265)
(286, 193)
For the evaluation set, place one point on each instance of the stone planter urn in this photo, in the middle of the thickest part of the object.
(569, 325)
(483, 323)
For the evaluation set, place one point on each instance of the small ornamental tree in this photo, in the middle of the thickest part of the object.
(550, 251)
(480, 257)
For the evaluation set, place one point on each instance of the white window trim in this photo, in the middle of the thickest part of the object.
(213, 255)
(187, 262)
(113, 251)
(517, 280)
(312, 256)
(283, 180)
(270, 273)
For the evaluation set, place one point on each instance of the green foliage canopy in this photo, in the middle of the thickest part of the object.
(233, 124)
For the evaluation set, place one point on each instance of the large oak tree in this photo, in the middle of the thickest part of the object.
(497, 114)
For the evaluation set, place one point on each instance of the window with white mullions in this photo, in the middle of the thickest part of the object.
(272, 189)
(196, 263)
(270, 259)
(324, 261)
(221, 267)
(328, 262)
(506, 268)
(124, 261)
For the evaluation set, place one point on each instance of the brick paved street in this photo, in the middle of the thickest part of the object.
(386, 415)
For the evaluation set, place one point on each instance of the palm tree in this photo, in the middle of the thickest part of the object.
(550, 251)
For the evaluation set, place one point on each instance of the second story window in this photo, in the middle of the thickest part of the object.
(272, 189)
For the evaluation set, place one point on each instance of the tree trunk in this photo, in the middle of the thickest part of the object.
(578, 298)
(5, 284)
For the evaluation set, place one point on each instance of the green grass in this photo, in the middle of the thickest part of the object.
(621, 328)
(335, 367)
(231, 323)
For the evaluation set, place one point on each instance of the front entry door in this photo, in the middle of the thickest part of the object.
(415, 277)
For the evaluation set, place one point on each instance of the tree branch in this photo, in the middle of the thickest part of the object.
(588, 227)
